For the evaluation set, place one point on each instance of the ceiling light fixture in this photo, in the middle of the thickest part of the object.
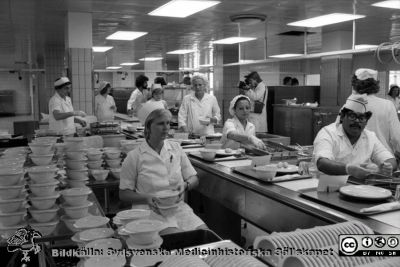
(365, 46)
(182, 8)
(150, 58)
(325, 20)
(101, 48)
(285, 55)
(181, 51)
(395, 4)
(234, 40)
(125, 35)
(114, 67)
(129, 63)
(248, 19)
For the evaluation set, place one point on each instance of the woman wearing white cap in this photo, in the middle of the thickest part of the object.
(61, 112)
(393, 95)
(104, 104)
(238, 129)
(384, 121)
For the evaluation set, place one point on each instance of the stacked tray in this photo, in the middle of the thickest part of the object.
(314, 238)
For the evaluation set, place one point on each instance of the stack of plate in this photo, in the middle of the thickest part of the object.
(143, 234)
(317, 237)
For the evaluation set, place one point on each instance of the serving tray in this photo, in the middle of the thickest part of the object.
(334, 199)
(250, 172)
(218, 158)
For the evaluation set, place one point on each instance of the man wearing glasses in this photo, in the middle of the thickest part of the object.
(346, 147)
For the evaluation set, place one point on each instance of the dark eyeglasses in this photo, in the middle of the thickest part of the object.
(361, 118)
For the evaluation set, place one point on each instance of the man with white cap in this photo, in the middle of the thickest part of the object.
(62, 116)
(384, 121)
(346, 147)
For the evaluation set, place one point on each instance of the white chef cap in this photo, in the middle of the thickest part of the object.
(103, 85)
(233, 102)
(357, 103)
(60, 82)
(363, 74)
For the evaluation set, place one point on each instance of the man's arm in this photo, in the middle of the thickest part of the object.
(331, 167)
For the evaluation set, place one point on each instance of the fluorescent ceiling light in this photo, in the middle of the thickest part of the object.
(182, 8)
(181, 51)
(388, 4)
(113, 67)
(364, 46)
(286, 55)
(150, 58)
(234, 40)
(325, 20)
(125, 35)
(101, 48)
(129, 63)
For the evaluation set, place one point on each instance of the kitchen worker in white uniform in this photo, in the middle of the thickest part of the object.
(239, 130)
(199, 110)
(384, 121)
(104, 104)
(138, 96)
(62, 116)
(393, 95)
(346, 147)
(258, 92)
(156, 165)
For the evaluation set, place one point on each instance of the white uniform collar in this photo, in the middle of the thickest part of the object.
(145, 148)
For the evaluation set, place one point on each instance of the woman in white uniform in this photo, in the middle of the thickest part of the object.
(104, 104)
(259, 93)
(199, 110)
(239, 130)
(393, 95)
(156, 165)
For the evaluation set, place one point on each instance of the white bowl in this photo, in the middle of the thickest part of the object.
(76, 212)
(60, 147)
(76, 164)
(208, 154)
(143, 231)
(42, 174)
(11, 191)
(104, 244)
(69, 222)
(94, 155)
(43, 203)
(12, 218)
(114, 163)
(96, 164)
(76, 155)
(113, 154)
(11, 205)
(116, 172)
(168, 210)
(127, 216)
(74, 143)
(16, 150)
(77, 183)
(44, 190)
(41, 160)
(76, 196)
(167, 197)
(45, 139)
(267, 171)
(41, 148)
(91, 222)
(10, 176)
(204, 121)
(44, 215)
(45, 228)
(100, 175)
(77, 174)
(8, 231)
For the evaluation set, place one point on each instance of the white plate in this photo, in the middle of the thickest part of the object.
(367, 192)
(91, 222)
(156, 243)
(144, 226)
(290, 169)
(96, 233)
(105, 244)
(222, 152)
(133, 214)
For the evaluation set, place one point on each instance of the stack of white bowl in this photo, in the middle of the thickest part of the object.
(42, 150)
(75, 206)
(75, 162)
(43, 197)
(143, 234)
(113, 157)
(12, 200)
(95, 157)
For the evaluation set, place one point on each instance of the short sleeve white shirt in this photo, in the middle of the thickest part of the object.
(103, 107)
(234, 126)
(332, 143)
(135, 101)
(65, 126)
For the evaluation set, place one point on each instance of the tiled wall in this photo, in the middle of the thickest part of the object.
(80, 64)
